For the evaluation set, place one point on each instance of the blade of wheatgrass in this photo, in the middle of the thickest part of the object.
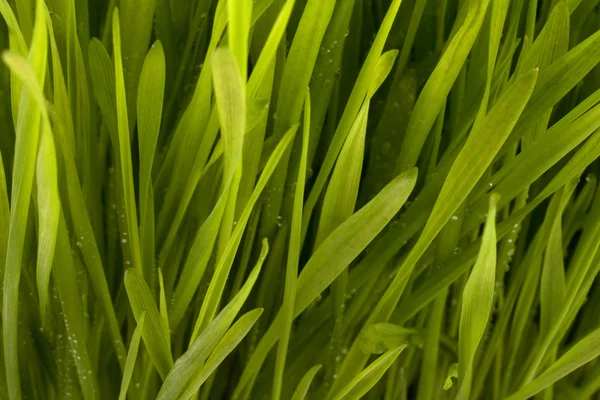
(217, 283)
(364, 381)
(293, 258)
(228, 343)
(555, 82)
(338, 205)
(63, 130)
(230, 97)
(302, 388)
(48, 203)
(474, 158)
(17, 46)
(338, 250)
(136, 26)
(4, 219)
(240, 14)
(523, 286)
(27, 137)
(230, 92)
(328, 64)
(295, 77)
(477, 301)
(132, 354)
(155, 333)
(431, 359)
(584, 351)
(185, 141)
(196, 262)
(192, 360)
(48, 214)
(582, 260)
(65, 274)
(438, 86)
(102, 75)
(361, 88)
(202, 248)
(150, 98)
(126, 168)
(553, 284)
(200, 165)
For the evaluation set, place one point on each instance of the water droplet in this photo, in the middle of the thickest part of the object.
(457, 251)
(454, 218)
(123, 240)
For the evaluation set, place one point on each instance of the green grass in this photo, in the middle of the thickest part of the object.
(309, 199)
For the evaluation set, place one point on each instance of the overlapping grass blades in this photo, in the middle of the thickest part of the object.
(309, 199)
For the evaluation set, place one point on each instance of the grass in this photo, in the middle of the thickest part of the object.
(307, 199)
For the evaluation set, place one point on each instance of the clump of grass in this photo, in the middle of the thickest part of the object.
(238, 199)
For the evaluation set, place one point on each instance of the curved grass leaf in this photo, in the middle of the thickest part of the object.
(438, 86)
(360, 385)
(293, 257)
(187, 365)
(149, 111)
(304, 385)
(477, 301)
(361, 88)
(340, 248)
(228, 343)
(132, 236)
(155, 333)
(474, 158)
(217, 283)
(131, 357)
(27, 137)
(581, 353)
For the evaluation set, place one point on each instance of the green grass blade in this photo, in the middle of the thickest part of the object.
(350, 238)
(332, 257)
(65, 274)
(17, 46)
(438, 86)
(467, 169)
(27, 129)
(48, 203)
(48, 212)
(553, 283)
(477, 303)
(131, 238)
(186, 366)
(581, 353)
(293, 258)
(136, 27)
(361, 88)
(4, 218)
(360, 385)
(302, 388)
(155, 333)
(132, 354)
(217, 283)
(228, 343)
(150, 98)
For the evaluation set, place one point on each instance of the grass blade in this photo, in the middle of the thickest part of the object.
(360, 385)
(131, 357)
(27, 129)
(155, 333)
(477, 303)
